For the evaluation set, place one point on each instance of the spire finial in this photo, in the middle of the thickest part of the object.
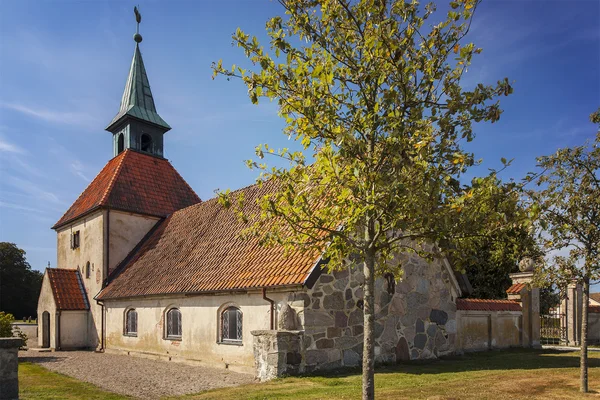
(138, 17)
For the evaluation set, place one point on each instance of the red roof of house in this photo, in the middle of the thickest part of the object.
(487, 305)
(516, 288)
(67, 288)
(593, 309)
(200, 249)
(134, 182)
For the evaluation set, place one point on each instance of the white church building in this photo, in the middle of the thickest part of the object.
(145, 267)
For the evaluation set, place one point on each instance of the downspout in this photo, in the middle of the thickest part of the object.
(105, 280)
(264, 296)
(58, 329)
(102, 326)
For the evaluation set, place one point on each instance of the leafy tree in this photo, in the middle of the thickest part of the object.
(567, 205)
(8, 330)
(372, 93)
(549, 298)
(497, 256)
(19, 284)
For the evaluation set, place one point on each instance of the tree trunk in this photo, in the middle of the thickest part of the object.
(583, 363)
(368, 367)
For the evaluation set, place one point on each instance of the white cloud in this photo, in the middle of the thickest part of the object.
(68, 118)
(33, 190)
(19, 207)
(77, 168)
(9, 147)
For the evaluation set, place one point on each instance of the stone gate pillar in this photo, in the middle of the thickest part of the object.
(529, 297)
(9, 368)
(572, 305)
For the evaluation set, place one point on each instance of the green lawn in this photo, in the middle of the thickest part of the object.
(36, 382)
(515, 374)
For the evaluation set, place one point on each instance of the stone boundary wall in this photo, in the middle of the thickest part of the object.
(31, 330)
(485, 330)
(9, 368)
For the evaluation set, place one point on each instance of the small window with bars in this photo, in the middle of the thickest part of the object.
(174, 324)
(231, 325)
(131, 319)
(75, 240)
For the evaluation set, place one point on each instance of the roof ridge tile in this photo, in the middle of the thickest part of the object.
(114, 177)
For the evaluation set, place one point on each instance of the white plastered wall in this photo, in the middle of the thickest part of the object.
(73, 329)
(46, 304)
(200, 316)
(91, 249)
(126, 231)
(123, 231)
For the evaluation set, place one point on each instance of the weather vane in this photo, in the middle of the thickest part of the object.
(138, 17)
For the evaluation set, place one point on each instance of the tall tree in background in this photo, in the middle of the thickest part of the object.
(371, 89)
(568, 206)
(19, 284)
(497, 256)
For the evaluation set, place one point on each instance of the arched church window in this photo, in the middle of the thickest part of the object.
(131, 322)
(120, 143)
(231, 325)
(146, 143)
(173, 329)
(87, 270)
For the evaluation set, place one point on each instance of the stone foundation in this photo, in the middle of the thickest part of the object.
(9, 368)
(278, 353)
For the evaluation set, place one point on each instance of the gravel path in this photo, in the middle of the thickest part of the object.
(135, 376)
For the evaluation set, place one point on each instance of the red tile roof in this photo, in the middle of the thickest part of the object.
(134, 182)
(593, 309)
(487, 305)
(199, 249)
(67, 288)
(516, 288)
(595, 297)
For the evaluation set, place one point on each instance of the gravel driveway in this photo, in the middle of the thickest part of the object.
(135, 376)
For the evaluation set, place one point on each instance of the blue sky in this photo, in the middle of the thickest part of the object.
(63, 66)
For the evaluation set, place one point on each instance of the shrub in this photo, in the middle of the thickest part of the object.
(6, 321)
(7, 329)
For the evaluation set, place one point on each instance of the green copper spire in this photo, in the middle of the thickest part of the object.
(137, 99)
(137, 115)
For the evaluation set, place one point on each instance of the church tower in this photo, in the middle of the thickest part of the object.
(136, 190)
(137, 125)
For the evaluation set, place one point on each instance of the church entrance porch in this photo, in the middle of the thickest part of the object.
(45, 330)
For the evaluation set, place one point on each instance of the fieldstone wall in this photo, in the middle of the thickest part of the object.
(415, 315)
(278, 353)
(9, 368)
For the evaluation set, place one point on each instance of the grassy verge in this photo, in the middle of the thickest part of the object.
(517, 374)
(36, 382)
(514, 374)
